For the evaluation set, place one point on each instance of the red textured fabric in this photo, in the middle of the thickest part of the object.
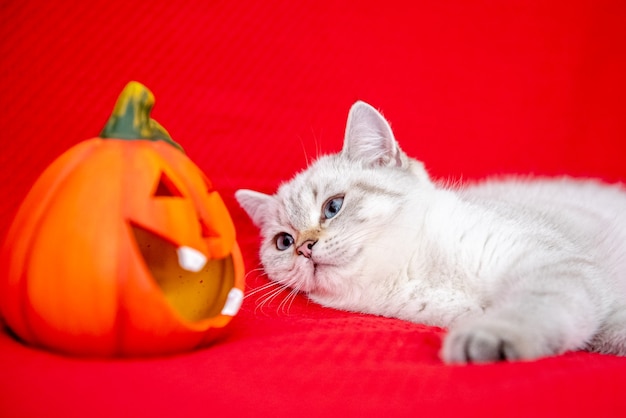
(252, 89)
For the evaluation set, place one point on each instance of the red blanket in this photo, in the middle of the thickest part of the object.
(254, 89)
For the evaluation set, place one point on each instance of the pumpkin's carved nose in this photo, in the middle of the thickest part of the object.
(306, 248)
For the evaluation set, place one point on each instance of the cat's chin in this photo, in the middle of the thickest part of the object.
(324, 283)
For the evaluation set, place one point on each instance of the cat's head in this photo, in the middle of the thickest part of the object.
(334, 220)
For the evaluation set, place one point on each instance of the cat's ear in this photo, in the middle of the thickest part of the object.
(369, 138)
(258, 206)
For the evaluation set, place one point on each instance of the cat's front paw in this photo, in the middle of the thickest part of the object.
(487, 341)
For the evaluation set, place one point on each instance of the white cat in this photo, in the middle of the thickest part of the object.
(516, 269)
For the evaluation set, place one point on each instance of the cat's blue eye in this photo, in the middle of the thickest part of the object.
(283, 241)
(332, 207)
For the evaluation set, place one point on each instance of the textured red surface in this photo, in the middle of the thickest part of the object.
(252, 89)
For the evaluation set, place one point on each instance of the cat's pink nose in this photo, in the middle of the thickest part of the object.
(306, 248)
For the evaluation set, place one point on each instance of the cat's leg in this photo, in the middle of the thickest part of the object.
(611, 337)
(496, 337)
(530, 322)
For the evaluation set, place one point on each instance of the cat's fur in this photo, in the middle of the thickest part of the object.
(516, 269)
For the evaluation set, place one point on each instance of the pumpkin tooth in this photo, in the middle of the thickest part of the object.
(233, 302)
(190, 259)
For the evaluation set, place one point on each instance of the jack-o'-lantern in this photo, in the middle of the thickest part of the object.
(122, 246)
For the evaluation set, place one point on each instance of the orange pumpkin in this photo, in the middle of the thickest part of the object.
(122, 246)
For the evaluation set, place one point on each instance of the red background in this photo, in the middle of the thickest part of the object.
(251, 90)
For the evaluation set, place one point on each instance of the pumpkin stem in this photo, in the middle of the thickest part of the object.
(131, 117)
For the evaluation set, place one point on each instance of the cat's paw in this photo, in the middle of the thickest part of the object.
(487, 341)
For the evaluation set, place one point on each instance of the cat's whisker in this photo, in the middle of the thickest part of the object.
(262, 288)
(317, 145)
(259, 270)
(268, 289)
(318, 148)
(285, 305)
(262, 302)
(255, 270)
(271, 296)
(306, 155)
(272, 291)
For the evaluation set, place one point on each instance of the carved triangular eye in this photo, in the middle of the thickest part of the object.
(166, 188)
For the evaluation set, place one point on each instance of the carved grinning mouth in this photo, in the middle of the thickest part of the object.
(196, 288)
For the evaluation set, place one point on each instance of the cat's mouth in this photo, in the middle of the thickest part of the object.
(316, 284)
(315, 265)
